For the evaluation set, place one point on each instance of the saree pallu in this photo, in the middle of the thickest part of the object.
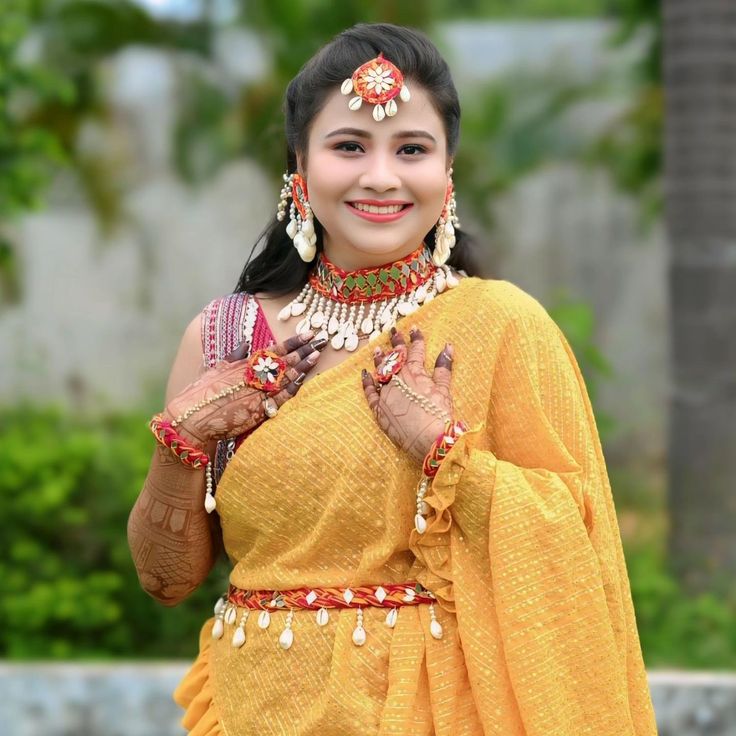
(522, 553)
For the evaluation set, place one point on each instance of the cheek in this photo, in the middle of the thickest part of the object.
(331, 176)
(431, 187)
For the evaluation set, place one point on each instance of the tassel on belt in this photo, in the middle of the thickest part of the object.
(236, 605)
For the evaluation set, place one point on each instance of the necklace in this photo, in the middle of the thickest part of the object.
(347, 306)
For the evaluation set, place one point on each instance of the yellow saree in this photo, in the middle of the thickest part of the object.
(523, 553)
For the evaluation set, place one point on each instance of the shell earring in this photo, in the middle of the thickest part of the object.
(444, 237)
(301, 220)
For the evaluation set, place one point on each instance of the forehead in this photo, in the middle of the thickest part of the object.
(417, 114)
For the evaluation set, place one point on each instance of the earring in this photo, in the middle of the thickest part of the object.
(444, 234)
(301, 220)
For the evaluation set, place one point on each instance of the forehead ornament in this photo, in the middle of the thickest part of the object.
(377, 82)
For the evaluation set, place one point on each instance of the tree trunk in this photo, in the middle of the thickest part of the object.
(700, 181)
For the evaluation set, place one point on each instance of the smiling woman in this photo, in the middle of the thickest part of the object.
(402, 457)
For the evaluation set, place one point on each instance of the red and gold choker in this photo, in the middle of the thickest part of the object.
(347, 306)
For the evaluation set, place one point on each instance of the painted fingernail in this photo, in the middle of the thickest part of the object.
(299, 380)
(364, 374)
(393, 331)
(319, 344)
(312, 358)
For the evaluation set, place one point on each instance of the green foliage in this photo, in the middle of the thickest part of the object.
(677, 629)
(577, 321)
(631, 147)
(510, 128)
(68, 588)
(27, 149)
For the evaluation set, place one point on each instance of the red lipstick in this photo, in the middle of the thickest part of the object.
(378, 217)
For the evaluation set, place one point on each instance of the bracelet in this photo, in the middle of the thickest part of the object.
(164, 432)
(423, 401)
(437, 453)
(264, 371)
(442, 445)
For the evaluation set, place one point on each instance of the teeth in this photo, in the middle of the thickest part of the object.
(387, 210)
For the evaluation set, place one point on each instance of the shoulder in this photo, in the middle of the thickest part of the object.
(501, 303)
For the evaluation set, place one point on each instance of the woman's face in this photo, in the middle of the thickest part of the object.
(355, 164)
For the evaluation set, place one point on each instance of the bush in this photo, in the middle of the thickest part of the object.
(694, 632)
(68, 587)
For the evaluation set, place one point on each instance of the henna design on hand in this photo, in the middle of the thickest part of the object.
(171, 537)
(406, 422)
(241, 411)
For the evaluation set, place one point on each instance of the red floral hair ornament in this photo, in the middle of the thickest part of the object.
(377, 82)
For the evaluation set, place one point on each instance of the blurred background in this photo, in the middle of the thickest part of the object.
(141, 149)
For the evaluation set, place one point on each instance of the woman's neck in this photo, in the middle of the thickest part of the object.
(350, 259)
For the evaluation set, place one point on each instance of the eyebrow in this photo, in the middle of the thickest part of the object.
(358, 133)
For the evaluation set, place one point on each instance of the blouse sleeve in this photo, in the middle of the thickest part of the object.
(523, 545)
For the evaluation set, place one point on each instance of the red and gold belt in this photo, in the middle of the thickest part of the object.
(234, 607)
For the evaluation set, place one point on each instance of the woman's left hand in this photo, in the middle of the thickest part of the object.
(411, 411)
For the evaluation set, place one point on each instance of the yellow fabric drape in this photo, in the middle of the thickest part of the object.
(523, 552)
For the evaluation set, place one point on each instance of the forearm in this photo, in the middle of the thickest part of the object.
(170, 534)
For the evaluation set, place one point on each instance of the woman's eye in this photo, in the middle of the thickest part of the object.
(412, 149)
(349, 147)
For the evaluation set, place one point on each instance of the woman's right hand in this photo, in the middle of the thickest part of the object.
(241, 411)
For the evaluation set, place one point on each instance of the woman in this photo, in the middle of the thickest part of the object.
(414, 500)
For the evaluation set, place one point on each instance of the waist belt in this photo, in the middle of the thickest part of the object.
(236, 605)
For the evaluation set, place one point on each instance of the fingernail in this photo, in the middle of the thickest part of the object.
(313, 357)
(300, 379)
(393, 331)
(364, 374)
(319, 344)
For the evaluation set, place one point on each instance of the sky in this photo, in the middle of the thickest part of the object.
(221, 10)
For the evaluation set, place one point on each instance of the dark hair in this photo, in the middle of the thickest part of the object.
(278, 267)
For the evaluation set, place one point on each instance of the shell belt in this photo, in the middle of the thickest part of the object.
(234, 608)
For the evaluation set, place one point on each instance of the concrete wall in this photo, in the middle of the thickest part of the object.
(135, 700)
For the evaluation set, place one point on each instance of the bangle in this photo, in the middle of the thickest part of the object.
(437, 453)
(190, 456)
(165, 433)
(442, 445)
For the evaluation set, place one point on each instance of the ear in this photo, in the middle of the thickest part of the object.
(301, 164)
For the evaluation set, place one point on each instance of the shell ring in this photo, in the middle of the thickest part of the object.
(265, 371)
(270, 407)
(391, 364)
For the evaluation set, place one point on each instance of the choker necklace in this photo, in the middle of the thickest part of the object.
(347, 306)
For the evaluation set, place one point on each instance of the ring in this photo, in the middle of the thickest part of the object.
(270, 407)
(391, 364)
(265, 371)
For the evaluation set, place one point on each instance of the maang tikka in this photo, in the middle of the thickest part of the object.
(444, 234)
(301, 220)
(377, 82)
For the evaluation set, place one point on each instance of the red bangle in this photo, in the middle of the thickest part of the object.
(168, 437)
(442, 445)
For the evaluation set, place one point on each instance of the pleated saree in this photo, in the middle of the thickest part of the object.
(523, 553)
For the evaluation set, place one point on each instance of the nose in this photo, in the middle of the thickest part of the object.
(379, 173)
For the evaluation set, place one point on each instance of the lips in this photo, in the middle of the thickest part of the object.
(379, 211)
